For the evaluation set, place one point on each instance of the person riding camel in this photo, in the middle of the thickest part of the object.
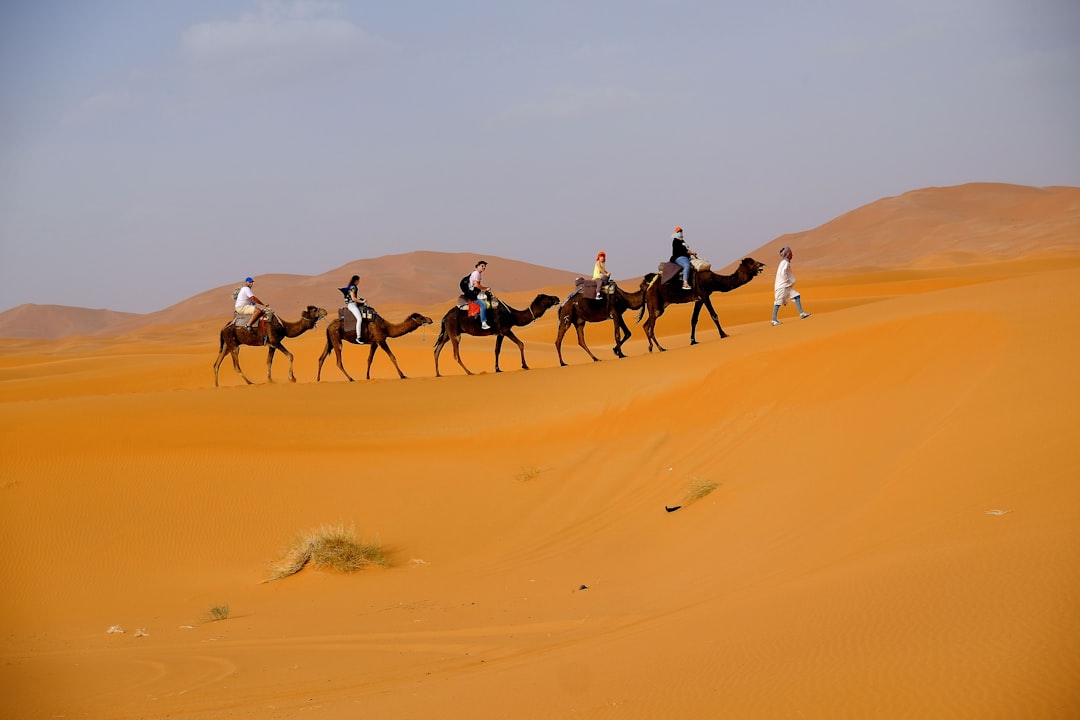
(478, 292)
(680, 255)
(600, 273)
(353, 301)
(248, 304)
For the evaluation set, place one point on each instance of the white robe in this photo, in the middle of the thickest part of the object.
(784, 288)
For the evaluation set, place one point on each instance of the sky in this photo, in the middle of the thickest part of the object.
(152, 151)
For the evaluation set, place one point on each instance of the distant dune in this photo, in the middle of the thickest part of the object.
(937, 227)
(929, 227)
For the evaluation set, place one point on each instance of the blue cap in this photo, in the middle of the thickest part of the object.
(247, 279)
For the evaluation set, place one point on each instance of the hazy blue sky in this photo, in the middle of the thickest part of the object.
(153, 150)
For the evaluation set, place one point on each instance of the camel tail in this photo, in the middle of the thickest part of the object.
(441, 340)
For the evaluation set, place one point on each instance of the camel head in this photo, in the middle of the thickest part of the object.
(314, 313)
(420, 319)
(753, 266)
(545, 301)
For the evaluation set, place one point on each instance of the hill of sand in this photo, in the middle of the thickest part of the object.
(877, 514)
(933, 227)
(418, 278)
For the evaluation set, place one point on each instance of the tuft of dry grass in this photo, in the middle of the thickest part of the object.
(219, 612)
(699, 488)
(527, 473)
(328, 547)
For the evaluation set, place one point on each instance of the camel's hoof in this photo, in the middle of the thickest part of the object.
(562, 364)
(693, 342)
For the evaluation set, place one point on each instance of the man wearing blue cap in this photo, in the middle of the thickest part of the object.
(248, 304)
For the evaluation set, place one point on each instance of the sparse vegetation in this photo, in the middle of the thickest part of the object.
(527, 473)
(699, 488)
(328, 547)
(219, 612)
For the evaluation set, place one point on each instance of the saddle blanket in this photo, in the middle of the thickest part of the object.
(588, 286)
(464, 303)
(348, 320)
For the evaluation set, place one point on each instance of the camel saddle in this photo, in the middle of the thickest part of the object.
(348, 320)
(263, 326)
(464, 303)
(587, 286)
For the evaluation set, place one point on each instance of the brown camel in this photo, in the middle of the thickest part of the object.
(374, 332)
(703, 283)
(232, 337)
(581, 309)
(503, 319)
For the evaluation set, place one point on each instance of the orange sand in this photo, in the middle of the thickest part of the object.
(895, 531)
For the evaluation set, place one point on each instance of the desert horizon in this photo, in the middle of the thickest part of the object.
(871, 512)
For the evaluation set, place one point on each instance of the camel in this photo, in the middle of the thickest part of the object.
(502, 318)
(580, 309)
(375, 332)
(703, 283)
(232, 337)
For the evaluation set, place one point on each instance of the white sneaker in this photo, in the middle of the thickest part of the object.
(777, 322)
(803, 316)
(485, 326)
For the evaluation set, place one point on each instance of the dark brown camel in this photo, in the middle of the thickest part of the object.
(374, 332)
(581, 309)
(703, 283)
(503, 319)
(232, 337)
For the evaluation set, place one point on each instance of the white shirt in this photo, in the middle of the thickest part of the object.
(474, 279)
(244, 297)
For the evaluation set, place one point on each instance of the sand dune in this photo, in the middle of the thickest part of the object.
(892, 532)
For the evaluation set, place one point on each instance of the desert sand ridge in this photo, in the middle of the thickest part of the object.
(931, 227)
(878, 515)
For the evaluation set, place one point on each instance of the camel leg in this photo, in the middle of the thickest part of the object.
(386, 348)
(650, 333)
(235, 352)
(521, 347)
(340, 364)
(559, 338)
(455, 341)
(217, 364)
(620, 337)
(270, 361)
(498, 349)
(322, 358)
(715, 319)
(282, 348)
(438, 349)
(580, 327)
(693, 322)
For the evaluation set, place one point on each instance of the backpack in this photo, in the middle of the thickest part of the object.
(236, 293)
(464, 285)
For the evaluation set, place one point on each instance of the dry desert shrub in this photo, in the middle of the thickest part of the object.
(219, 612)
(699, 488)
(328, 547)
